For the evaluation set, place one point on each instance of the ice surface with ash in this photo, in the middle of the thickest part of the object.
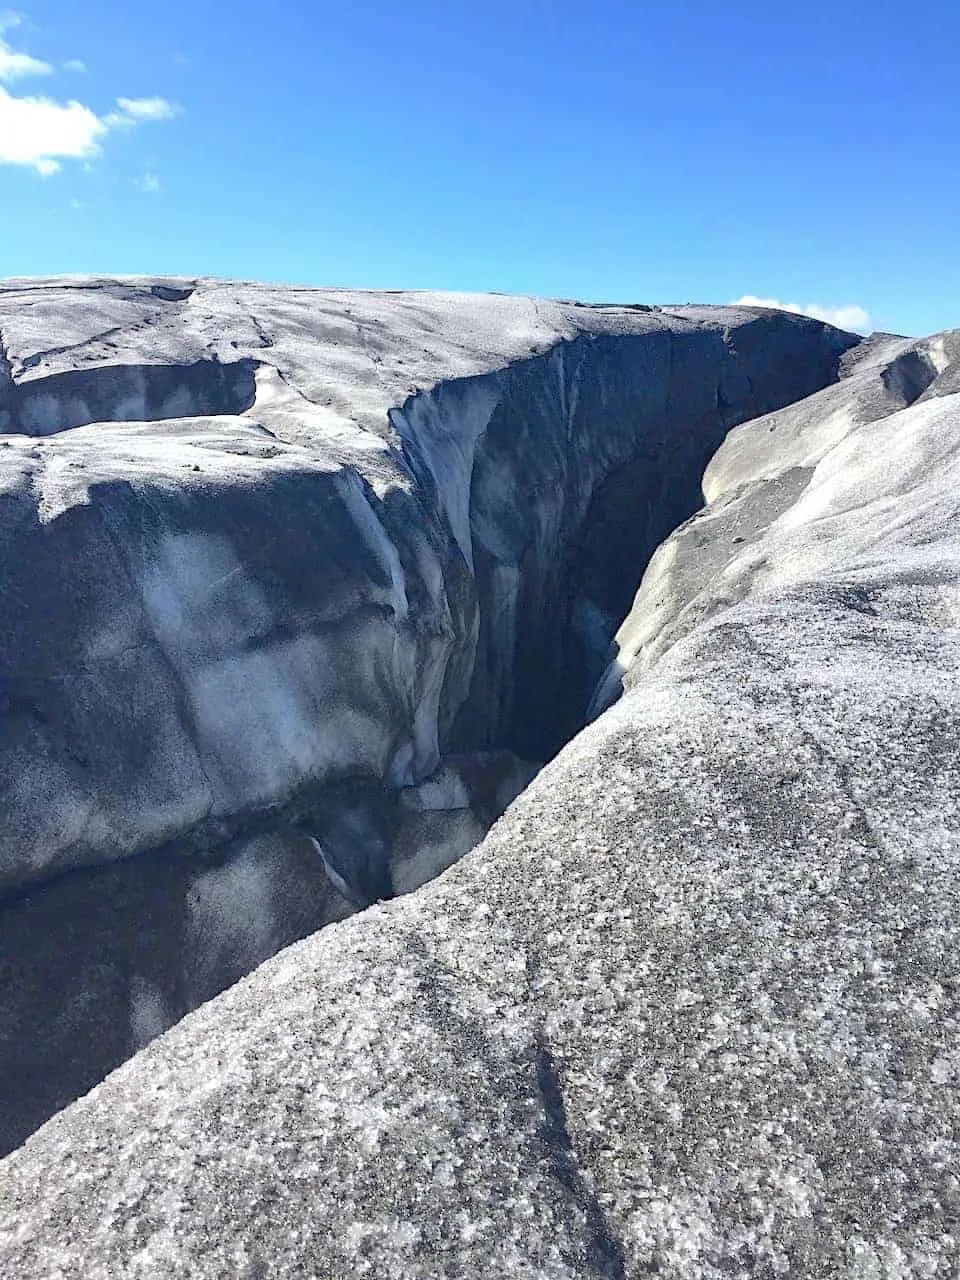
(692, 1008)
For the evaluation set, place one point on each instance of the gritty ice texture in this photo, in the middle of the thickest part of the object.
(691, 1009)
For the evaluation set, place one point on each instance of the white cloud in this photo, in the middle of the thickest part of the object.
(149, 183)
(849, 317)
(147, 108)
(76, 65)
(14, 66)
(39, 133)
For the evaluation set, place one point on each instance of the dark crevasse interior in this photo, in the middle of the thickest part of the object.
(587, 463)
(591, 456)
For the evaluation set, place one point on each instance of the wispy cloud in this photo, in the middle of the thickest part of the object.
(74, 64)
(40, 133)
(849, 317)
(137, 110)
(149, 183)
(148, 108)
(16, 66)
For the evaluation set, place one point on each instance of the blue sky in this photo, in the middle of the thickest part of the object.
(609, 150)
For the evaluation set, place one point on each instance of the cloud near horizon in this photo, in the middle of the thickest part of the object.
(39, 133)
(852, 318)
